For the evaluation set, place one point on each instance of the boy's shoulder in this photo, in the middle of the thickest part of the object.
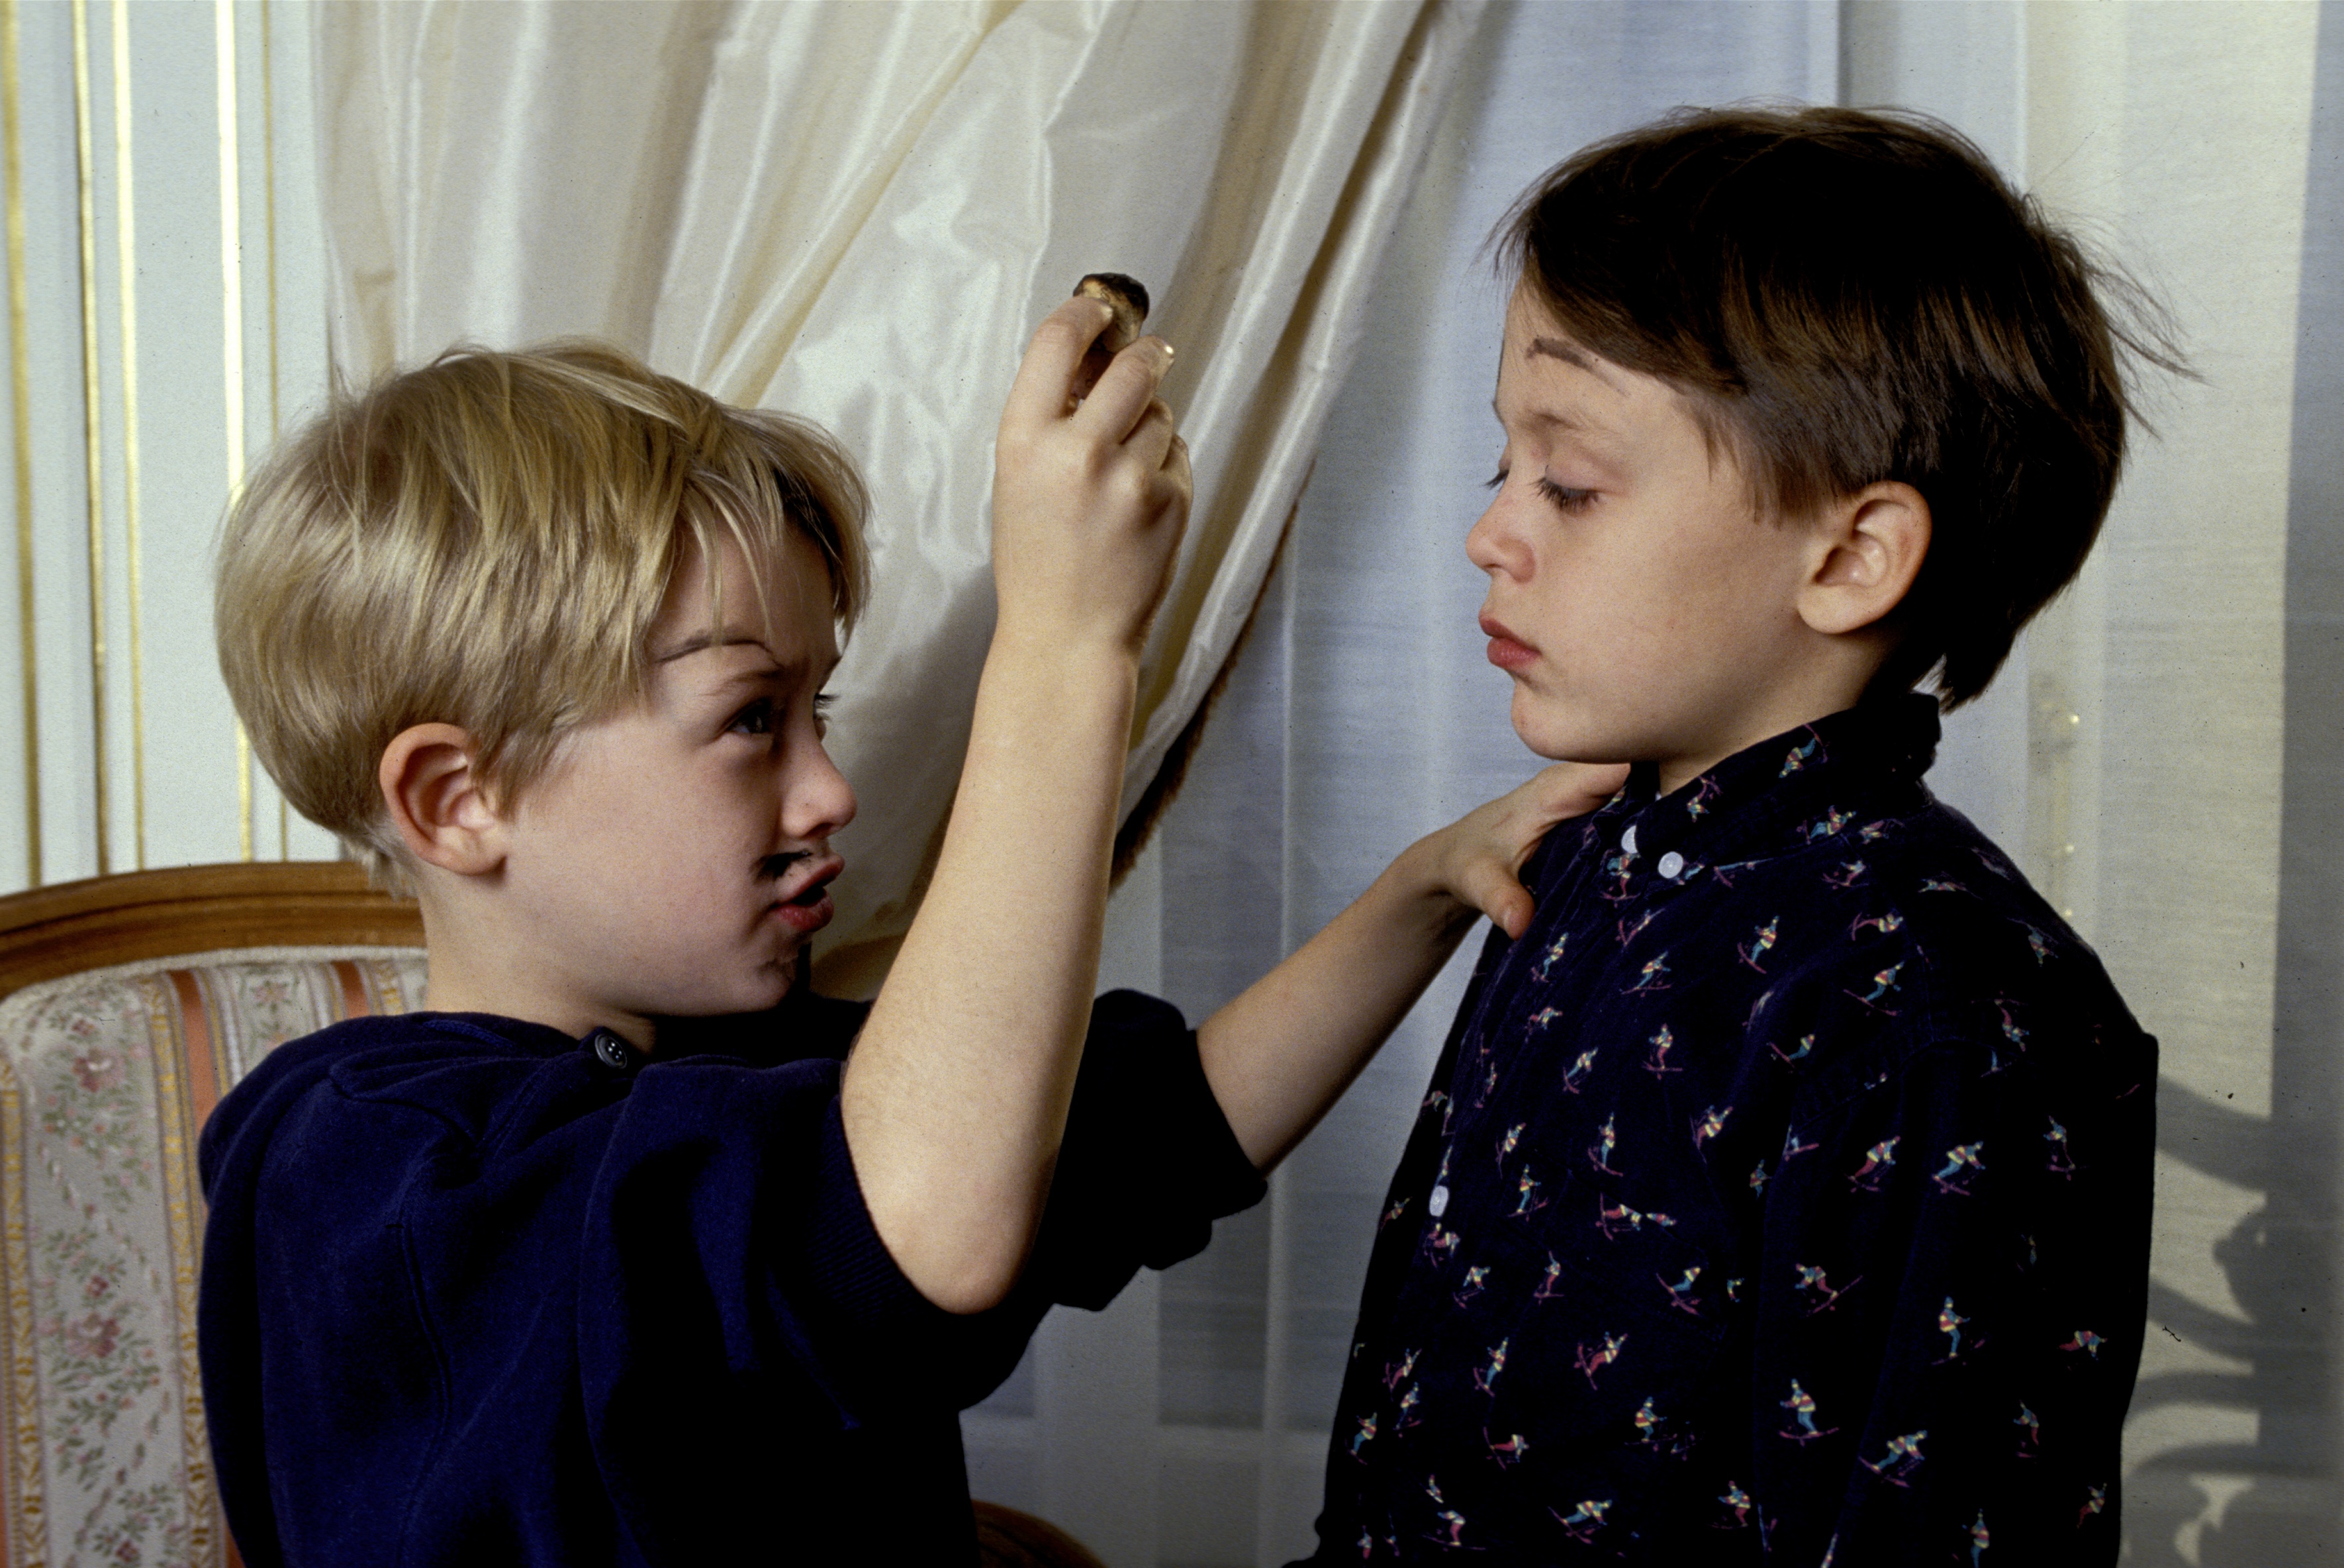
(1912, 929)
(1923, 873)
(453, 1069)
(481, 1080)
(1812, 900)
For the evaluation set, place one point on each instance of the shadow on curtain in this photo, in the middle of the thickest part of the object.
(2270, 1499)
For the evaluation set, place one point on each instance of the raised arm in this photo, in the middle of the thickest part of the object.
(1280, 1054)
(956, 1095)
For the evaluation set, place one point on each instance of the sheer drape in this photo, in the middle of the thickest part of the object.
(2167, 754)
(857, 213)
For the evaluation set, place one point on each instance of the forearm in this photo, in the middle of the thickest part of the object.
(955, 1097)
(1280, 1054)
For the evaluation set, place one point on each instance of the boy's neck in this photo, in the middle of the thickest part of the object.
(476, 965)
(1777, 712)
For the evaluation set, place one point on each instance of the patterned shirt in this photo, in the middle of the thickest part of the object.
(1782, 1194)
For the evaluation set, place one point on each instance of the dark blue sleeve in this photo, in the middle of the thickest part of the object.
(743, 1179)
(1149, 1162)
(1950, 1306)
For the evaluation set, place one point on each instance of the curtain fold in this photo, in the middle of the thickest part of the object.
(857, 213)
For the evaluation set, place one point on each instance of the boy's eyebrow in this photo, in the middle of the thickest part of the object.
(723, 637)
(1572, 354)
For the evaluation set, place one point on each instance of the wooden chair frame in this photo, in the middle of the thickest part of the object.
(140, 915)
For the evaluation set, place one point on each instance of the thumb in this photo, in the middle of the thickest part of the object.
(1574, 789)
(1498, 894)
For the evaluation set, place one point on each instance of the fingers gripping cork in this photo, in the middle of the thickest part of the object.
(1127, 298)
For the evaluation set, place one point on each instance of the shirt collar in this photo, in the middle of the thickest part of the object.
(1812, 780)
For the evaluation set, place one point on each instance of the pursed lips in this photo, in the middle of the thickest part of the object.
(1506, 650)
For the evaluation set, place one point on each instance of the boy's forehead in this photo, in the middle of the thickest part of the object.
(1535, 340)
(1547, 382)
(778, 599)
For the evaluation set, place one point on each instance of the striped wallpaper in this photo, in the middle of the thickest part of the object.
(165, 273)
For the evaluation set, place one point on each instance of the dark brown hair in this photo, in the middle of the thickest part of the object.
(1848, 296)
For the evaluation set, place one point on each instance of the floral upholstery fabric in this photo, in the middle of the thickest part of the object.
(105, 1078)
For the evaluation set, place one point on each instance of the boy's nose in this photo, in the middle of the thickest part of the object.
(817, 801)
(1491, 544)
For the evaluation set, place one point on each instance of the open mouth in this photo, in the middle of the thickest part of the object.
(806, 906)
(812, 894)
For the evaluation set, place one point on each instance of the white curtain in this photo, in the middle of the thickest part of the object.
(2165, 755)
(857, 212)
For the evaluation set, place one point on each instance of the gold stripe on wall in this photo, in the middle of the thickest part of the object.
(232, 346)
(126, 236)
(268, 164)
(12, 178)
(93, 424)
(269, 189)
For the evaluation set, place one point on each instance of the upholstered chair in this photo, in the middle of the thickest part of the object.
(128, 1006)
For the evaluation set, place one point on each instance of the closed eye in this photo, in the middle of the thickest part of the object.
(1563, 497)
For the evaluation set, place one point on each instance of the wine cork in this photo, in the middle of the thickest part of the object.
(1127, 298)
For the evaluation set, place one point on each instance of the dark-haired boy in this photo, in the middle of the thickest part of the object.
(1782, 1192)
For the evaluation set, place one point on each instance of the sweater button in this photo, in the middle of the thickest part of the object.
(1671, 865)
(1628, 839)
(610, 1051)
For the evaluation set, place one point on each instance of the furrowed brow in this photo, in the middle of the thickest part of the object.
(700, 643)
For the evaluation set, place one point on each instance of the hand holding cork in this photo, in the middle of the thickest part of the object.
(1090, 480)
(1127, 298)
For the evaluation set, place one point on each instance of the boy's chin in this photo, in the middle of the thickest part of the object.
(759, 991)
(1562, 737)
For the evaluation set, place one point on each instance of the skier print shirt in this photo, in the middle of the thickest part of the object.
(1781, 1194)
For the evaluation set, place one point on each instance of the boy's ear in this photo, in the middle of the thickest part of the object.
(1869, 547)
(436, 800)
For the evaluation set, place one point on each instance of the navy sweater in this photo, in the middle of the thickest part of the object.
(1783, 1196)
(475, 1291)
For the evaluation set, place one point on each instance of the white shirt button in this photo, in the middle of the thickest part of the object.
(1628, 839)
(1671, 864)
(1439, 1204)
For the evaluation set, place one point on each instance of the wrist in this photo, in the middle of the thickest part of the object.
(1060, 703)
(1419, 880)
(1045, 637)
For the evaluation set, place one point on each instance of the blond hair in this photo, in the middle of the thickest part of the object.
(485, 542)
